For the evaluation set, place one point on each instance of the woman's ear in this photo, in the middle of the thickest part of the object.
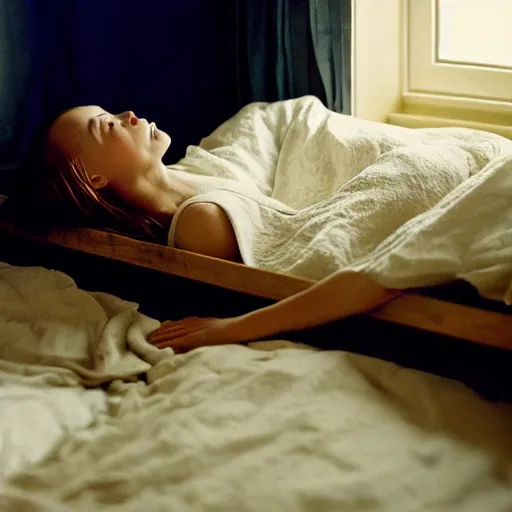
(99, 181)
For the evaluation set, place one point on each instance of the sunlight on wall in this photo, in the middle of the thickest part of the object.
(377, 49)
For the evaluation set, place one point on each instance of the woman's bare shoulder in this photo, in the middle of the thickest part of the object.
(205, 228)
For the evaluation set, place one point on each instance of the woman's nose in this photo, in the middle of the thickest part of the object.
(131, 117)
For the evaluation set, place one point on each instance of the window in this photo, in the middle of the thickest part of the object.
(460, 48)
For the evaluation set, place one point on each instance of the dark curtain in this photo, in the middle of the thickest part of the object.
(290, 48)
(186, 64)
(172, 62)
(331, 22)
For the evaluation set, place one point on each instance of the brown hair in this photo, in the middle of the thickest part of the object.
(55, 191)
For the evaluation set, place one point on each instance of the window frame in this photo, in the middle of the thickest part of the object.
(428, 74)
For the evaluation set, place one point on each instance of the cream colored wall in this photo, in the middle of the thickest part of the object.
(377, 63)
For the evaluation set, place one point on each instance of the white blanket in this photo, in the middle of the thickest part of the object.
(224, 428)
(315, 191)
(90, 338)
(53, 338)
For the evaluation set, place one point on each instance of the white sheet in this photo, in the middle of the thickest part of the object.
(317, 192)
(34, 416)
(87, 338)
(225, 428)
(53, 338)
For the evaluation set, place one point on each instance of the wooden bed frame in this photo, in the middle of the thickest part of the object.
(411, 309)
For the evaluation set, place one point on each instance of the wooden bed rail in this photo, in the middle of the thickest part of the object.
(411, 309)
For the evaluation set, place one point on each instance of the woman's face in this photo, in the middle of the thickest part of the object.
(114, 149)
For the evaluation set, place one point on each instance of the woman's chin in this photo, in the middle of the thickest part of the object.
(163, 143)
(166, 139)
(161, 136)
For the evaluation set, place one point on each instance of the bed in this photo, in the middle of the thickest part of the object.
(405, 408)
(94, 418)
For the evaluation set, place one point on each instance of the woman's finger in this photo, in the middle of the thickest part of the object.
(181, 320)
(191, 333)
(182, 344)
(167, 336)
(182, 323)
(173, 324)
(175, 331)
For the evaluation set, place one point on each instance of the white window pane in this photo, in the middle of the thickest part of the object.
(475, 32)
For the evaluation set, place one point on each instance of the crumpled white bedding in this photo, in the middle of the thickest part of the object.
(224, 428)
(53, 339)
(317, 192)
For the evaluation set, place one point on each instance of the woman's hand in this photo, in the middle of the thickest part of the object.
(193, 332)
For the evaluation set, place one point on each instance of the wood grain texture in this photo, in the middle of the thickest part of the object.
(226, 274)
(410, 309)
(443, 317)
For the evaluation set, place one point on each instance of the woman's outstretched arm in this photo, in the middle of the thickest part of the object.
(338, 296)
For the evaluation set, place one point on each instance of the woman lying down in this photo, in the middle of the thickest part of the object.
(289, 187)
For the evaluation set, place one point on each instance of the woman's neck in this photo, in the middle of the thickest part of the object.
(161, 192)
(176, 189)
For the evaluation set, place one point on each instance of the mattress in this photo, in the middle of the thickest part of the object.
(93, 418)
(235, 428)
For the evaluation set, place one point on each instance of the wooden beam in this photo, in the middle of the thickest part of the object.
(411, 309)
(443, 317)
(226, 274)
